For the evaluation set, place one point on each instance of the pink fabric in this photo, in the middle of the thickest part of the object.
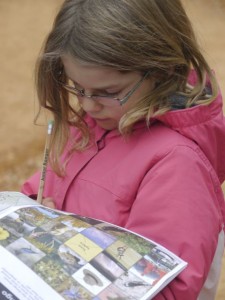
(162, 182)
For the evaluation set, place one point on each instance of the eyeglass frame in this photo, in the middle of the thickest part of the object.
(122, 101)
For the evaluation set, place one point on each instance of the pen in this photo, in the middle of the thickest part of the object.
(45, 162)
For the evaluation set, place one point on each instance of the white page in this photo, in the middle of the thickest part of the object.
(21, 281)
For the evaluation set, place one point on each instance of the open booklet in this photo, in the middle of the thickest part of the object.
(48, 254)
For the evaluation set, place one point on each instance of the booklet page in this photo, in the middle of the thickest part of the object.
(47, 254)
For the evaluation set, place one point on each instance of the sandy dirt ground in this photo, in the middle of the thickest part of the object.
(23, 26)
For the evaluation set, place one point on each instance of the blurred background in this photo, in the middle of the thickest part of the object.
(23, 27)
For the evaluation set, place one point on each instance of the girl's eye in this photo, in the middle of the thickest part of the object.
(111, 95)
(105, 94)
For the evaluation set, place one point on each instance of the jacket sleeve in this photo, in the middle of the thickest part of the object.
(176, 206)
(31, 185)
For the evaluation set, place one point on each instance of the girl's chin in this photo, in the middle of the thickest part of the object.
(107, 124)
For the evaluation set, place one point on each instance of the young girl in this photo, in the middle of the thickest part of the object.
(139, 134)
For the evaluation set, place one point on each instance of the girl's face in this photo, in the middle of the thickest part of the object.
(105, 81)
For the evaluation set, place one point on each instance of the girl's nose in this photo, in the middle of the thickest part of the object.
(89, 105)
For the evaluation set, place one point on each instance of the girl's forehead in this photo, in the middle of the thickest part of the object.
(98, 76)
(76, 66)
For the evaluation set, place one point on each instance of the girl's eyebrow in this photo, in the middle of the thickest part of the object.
(115, 86)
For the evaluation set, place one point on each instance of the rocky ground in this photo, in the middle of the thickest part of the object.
(23, 26)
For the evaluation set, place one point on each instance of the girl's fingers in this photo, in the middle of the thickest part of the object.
(48, 202)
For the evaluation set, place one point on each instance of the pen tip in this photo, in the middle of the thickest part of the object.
(50, 122)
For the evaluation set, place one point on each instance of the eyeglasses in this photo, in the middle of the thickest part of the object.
(107, 100)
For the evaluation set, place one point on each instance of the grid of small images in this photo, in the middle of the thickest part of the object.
(82, 258)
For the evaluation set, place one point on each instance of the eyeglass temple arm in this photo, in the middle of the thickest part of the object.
(124, 100)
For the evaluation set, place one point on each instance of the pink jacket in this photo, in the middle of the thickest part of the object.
(162, 182)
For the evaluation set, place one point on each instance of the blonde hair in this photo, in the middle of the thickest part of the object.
(126, 35)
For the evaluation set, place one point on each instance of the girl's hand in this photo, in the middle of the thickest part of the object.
(48, 202)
